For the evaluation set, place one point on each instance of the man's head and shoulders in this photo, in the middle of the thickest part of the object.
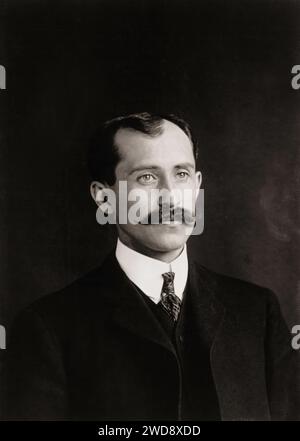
(102, 332)
(149, 153)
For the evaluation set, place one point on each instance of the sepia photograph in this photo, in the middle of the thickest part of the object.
(150, 212)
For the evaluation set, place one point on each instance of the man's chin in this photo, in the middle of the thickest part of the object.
(158, 237)
(167, 237)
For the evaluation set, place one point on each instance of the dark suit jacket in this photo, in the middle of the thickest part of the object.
(95, 351)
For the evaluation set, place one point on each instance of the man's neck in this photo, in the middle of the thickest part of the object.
(164, 256)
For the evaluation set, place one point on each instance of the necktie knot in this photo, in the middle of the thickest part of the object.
(168, 279)
(169, 301)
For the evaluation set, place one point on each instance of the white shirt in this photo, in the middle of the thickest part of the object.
(146, 272)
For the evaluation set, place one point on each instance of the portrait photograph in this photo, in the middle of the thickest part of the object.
(150, 212)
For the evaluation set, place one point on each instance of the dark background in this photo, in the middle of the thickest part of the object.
(225, 66)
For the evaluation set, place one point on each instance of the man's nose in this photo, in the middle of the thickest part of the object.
(170, 195)
(166, 183)
(166, 203)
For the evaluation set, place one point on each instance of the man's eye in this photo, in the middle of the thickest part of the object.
(147, 178)
(182, 174)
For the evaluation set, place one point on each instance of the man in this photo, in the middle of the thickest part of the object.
(150, 335)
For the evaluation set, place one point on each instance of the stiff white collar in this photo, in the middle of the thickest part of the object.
(146, 272)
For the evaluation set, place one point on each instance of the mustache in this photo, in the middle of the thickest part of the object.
(177, 214)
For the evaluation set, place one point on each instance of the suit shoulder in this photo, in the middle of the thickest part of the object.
(233, 290)
(72, 300)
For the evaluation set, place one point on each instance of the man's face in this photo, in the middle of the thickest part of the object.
(165, 162)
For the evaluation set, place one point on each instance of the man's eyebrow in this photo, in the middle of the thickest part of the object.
(144, 167)
(185, 165)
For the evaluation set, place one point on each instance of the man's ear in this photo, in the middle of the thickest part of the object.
(198, 182)
(97, 190)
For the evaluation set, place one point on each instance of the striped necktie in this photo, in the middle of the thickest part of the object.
(169, 301)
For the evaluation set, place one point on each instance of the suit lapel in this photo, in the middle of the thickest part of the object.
(230, 363)
(130, 310)
(208, 310)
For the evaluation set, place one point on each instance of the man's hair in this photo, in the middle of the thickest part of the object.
(103, 155)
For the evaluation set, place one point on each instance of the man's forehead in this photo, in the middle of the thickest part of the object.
(132, 142)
